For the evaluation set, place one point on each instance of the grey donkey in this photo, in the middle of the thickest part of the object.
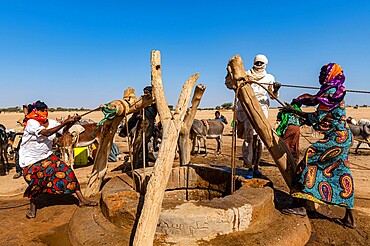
(361, 132)
(207, 129)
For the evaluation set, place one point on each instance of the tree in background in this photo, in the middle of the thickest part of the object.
(227, 105)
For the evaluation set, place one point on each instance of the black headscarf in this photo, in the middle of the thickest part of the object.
(41, 106)
(148, 88)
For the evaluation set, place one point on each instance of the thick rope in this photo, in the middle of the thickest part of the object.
(109, 112)
(90, 111)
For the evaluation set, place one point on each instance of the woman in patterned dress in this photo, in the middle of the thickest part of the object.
(43, 171)
(324, 176)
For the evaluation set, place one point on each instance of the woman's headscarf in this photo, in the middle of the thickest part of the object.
(148, 88)
(334, 78)
(37, 111)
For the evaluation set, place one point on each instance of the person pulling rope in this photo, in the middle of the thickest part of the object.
(245, 129)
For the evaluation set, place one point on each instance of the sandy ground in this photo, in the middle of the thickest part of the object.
(49, 227)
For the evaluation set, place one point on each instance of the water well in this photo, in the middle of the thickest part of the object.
(197, 207)
(197, 204)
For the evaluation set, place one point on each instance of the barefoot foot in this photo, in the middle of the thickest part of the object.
(31, 212)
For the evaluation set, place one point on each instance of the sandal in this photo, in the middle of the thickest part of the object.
(294, 211)
(344, 224)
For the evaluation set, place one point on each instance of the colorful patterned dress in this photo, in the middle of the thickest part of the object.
(51, 176)
(324, 176)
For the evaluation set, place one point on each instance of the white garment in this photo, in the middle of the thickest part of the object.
(261, 95)
(36, 147)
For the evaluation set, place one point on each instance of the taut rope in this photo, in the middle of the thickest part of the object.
(280, 102)
(90, 111)
(317, 88)
(233, 146)
(130, 152)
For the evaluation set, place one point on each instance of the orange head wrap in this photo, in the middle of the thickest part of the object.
(38, 112)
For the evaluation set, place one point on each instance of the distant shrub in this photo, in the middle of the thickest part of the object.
(18, 109)
(227, 105)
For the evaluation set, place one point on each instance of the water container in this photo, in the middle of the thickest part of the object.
(81, 155)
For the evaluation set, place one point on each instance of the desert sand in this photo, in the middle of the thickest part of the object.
(49, 228)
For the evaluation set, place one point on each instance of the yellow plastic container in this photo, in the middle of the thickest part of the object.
(81, 155)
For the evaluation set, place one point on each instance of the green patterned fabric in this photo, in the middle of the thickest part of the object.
(288, 119)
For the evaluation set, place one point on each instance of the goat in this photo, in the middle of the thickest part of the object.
(361, 132)
(4, 164)
(210, 129)
(72, 139)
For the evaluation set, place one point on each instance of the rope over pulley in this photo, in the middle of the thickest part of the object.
(110, 111)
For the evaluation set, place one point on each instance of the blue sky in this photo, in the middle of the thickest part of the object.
(84, 53)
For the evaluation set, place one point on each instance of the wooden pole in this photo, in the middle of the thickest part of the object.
(233, 142)
(147, 223)
(143, 137)
(275, 145)
(124, 106)
(184, 136)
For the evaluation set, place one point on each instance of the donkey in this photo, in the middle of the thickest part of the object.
(361, 132)
(207, 129)
(4, 164)
(68, 140)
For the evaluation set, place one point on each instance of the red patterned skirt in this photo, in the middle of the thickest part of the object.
(51, 176)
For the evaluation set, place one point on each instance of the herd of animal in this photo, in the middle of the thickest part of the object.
(87, 133)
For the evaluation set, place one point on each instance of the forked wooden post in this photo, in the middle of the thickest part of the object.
(127, 105)
(147, 224)
(275, 145)
(184, 137)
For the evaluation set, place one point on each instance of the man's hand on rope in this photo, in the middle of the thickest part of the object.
(276, 87)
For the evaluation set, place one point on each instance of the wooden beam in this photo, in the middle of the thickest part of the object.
(147, 224)
(184, 137)
(275, 145)
(129, 104)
